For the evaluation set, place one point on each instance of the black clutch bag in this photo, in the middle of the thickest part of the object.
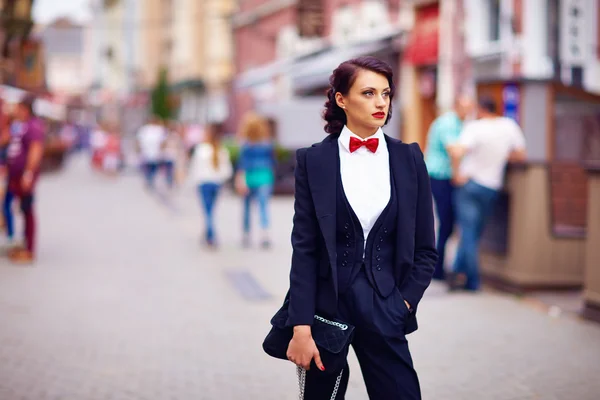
(332, 338)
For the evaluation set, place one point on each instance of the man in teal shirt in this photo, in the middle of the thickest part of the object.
(443, 132)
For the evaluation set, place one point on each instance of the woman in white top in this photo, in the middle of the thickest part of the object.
(210, 167)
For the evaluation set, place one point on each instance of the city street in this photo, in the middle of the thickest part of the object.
(124, 303)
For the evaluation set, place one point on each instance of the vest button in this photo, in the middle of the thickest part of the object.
(378, 248)
(346, 226)
(381, 239)
(344, 263)
(345, 254)
(378, 258)
(347, 244)
(378, 267)
(385, 230)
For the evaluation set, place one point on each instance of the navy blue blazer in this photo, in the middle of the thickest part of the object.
(314, 230)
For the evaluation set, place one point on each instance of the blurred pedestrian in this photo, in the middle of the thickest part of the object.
(68, 136)
(24, 157)
(6, 127)
(98, 140)
(12, 128)
(210, 168)
(193, 134)
(256, 176)
(479, 159)
(112, 156)
(444, 131)
(170, 153)
(363, 244)
(150, 142)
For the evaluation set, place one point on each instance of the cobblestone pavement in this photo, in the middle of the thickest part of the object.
(124, 304)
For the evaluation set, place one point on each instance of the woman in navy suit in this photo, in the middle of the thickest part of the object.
(363, 238)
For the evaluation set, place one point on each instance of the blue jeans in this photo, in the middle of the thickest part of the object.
(208, 194)
(443, 191)
(7, 211)
(473, 204)
(150, 169)
(169, 167)
(262, 194)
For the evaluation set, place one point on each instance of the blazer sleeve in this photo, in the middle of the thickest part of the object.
(425, 254)
(305, 231)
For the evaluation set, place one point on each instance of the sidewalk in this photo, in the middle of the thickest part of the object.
(124, 303)
(488, 345)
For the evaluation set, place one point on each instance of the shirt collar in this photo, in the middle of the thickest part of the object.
(346, 134)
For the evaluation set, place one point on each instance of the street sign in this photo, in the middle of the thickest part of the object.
(511, 100)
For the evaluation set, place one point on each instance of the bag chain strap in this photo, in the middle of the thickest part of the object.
(332, 323)
(302, 382)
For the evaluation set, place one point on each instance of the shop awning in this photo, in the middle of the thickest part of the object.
(262, 74)
(423, 44)
(315, 71)
(188, 84)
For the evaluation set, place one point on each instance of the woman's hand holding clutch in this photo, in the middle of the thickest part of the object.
(302, 349)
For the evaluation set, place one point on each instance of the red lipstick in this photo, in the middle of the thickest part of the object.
(379, 115)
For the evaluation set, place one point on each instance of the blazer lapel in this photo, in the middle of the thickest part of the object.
(322, 169)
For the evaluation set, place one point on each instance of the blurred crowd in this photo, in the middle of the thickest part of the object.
(466, 155)
(167, 154)
(203, 157)
(467, 152)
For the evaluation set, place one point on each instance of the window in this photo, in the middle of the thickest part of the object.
(553, 41)
(344, 24)
(494, 18)
(373, 17)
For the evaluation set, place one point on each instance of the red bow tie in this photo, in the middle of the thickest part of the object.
(370, 144)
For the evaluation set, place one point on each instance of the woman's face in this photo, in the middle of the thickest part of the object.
(367, 103)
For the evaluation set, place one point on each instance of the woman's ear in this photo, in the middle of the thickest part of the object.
(340, 101)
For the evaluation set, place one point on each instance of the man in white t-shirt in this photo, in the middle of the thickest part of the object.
(150, 141)
(479, 158)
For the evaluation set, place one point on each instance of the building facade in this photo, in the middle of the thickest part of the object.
(286, 51)
(538, 59)
(134, 40)
(65, 69)
(15, 26)
(199, 57)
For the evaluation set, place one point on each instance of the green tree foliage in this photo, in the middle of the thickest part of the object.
(160, 96)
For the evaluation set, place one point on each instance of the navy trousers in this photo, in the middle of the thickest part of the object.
(443, 194)
(379, 344)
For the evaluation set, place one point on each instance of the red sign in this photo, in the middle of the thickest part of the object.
(423, 44)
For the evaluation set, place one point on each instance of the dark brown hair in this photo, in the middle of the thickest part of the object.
(488, 104)
(342, 79)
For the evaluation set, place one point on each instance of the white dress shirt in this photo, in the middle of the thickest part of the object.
(365, 178)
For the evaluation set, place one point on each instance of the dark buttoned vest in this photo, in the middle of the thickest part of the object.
(379, 252)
